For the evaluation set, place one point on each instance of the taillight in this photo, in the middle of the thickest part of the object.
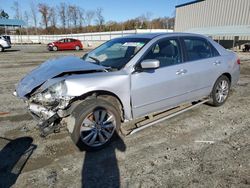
(238, 61)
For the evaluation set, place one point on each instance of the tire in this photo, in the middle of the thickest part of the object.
(220, 91)
(54, 48)
(77, 48)
(1, 49)
(90, 134)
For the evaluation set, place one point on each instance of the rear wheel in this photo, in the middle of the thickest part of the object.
(77, 48)
(97, 122)
(54, 48)
(220, 91)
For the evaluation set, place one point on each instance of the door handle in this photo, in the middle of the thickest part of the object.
(217, 63)
(181, 72)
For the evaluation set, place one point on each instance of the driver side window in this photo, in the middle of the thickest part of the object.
(166, 51)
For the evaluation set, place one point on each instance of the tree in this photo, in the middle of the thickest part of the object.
(63, 14)
(81, 13)
(44, 10)
(16, 8)
(99, 18)
(52, 17)
(4, 15)
(33, 9)
(72, 15)
(89, 17)
(26, 17)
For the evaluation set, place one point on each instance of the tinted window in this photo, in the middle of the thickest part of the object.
(197, 49)
(166, 51)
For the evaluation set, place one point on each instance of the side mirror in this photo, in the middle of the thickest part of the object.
(150, 64)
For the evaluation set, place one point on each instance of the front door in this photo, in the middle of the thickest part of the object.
(158, 89)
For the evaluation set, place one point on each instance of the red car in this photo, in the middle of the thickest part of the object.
(65, 44)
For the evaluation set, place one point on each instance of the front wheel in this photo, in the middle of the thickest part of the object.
(1, 49)
(96, 123)
(54, 48)
(220, 91)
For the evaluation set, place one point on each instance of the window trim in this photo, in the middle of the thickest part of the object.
(160, 40)
(186, 58)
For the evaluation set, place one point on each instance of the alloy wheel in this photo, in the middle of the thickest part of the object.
(222, 91)
(97, 128)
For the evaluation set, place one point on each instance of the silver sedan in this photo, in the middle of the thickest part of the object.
(126, 81)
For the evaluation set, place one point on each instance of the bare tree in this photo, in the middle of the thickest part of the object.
(141, 21)
(52, 17)
(33, 9)
(63, 14)
(26, 17)
(81, 14)
(44, 10)
(89, 16)
(72, 15)
(99, 18)
(16, 9)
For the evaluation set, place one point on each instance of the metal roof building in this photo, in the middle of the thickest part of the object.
(221, 19)
(11, 22)
(212, 13)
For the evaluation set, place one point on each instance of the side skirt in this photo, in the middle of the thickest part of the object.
(152, 119)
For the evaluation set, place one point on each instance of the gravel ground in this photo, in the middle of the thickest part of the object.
(168, 154)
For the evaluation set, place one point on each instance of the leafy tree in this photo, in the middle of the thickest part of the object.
(4, 14)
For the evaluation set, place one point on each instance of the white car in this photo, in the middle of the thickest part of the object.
(4, 43)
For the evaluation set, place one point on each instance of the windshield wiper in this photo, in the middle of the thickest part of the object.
(95, 59)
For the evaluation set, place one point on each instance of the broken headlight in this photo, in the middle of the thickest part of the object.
(52, 94)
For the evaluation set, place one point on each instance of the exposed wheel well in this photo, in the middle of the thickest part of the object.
(106, 95)
(228, 76)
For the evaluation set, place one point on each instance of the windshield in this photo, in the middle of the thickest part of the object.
(116, 53)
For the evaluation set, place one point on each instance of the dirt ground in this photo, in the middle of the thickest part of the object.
(169, 154)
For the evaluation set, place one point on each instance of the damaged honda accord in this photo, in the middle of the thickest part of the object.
(127, 81)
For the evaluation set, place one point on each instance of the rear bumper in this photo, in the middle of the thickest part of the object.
(235, 75)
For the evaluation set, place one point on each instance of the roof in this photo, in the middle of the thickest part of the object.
(167, 34)
(11, 22)
(189, 3)
(145, 35)
(236, 30)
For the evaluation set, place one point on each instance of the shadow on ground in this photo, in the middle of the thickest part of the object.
(100, 168)
(13, 157)
(16, 50)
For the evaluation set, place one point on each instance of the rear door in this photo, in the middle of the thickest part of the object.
(203, 64)
(69, 44)
(72, 44)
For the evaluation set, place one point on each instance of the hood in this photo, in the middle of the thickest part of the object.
(51, 69)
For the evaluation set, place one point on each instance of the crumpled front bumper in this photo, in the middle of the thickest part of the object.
(50, 121)
(39, 112)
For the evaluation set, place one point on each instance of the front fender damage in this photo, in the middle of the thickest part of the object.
(51, 121)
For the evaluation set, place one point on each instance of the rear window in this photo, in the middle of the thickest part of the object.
(198, 48)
